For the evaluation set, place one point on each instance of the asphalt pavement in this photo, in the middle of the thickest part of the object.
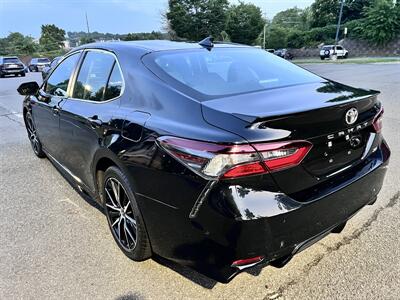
(56, 244)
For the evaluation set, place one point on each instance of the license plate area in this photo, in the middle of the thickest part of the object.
(335, 152)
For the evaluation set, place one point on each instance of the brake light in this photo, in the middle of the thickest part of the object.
(213, 161)
(378, 121)
(283, 155)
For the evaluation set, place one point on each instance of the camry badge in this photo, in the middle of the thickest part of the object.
(351, 116)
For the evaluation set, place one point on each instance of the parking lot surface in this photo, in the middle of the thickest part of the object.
(56, 244)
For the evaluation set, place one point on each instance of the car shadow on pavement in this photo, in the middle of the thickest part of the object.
(186, 272)
(130, 296)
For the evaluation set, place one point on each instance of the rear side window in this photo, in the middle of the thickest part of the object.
(114, 86)
(57, 84)
(226, 71)
(97, 80)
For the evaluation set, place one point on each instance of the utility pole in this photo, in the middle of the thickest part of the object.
(338, 25)
(265, 25)
(87, 23)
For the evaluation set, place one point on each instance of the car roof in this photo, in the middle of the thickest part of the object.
(155, 45)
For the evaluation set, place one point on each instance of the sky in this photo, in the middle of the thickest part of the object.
(114, 16)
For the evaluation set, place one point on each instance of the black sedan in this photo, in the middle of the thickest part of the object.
(11, 65)
(220, 157)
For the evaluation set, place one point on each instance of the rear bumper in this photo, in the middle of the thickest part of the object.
(250, 217)
(277, 227)
(238, 222)
(12, 71)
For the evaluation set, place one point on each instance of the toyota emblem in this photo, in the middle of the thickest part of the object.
(351, 116)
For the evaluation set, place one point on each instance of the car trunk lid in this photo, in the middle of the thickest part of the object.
(312, 112)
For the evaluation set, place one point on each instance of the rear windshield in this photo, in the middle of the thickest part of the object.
(226, 71)
(43, 60)
(11, 60)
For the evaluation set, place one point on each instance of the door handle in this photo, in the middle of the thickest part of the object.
(95, 121)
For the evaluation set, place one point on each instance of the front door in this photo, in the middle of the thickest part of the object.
(47, 104)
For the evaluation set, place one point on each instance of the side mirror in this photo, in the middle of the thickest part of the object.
(28, 88)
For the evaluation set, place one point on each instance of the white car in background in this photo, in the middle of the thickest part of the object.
(328, 51)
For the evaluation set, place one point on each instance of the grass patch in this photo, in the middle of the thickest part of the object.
(358, 60)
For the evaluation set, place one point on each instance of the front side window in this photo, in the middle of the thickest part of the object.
(55, 61)
(57, 84)
(94, 77)
(43, 60)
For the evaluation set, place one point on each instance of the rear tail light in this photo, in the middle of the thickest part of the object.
(283, 155)
(378, 121)
(214, 161)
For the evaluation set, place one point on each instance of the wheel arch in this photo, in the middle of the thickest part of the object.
(104, 159)
(101, 164)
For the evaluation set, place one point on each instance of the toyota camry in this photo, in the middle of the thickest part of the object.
(220, 157)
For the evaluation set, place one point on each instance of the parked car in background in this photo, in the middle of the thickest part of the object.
(270, 50)
(284, 53)
(26, 69)
(37, 64)
(220, 157)
(11, 65)
(46, 70)
(329, 50)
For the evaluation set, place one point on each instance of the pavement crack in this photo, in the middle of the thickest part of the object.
(13, 120)
(345, 241)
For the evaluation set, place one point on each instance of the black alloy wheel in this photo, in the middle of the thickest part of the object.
(123, 216)
(32, 135)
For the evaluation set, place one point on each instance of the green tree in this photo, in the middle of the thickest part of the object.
(154, 35)
(353, 9)
(17, 44)
(52, 37)
(277, 37)
(244, 23)
(381, 23)
(293, 18)
(197, 19)
(86, 40)
(324, 12)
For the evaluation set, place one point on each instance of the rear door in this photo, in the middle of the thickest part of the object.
(85, 117)
(46, 106)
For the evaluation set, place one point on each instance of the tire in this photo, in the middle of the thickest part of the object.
(32, 135)
(23, 74)
(346, 55)
(122, 215)
(322, 58)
